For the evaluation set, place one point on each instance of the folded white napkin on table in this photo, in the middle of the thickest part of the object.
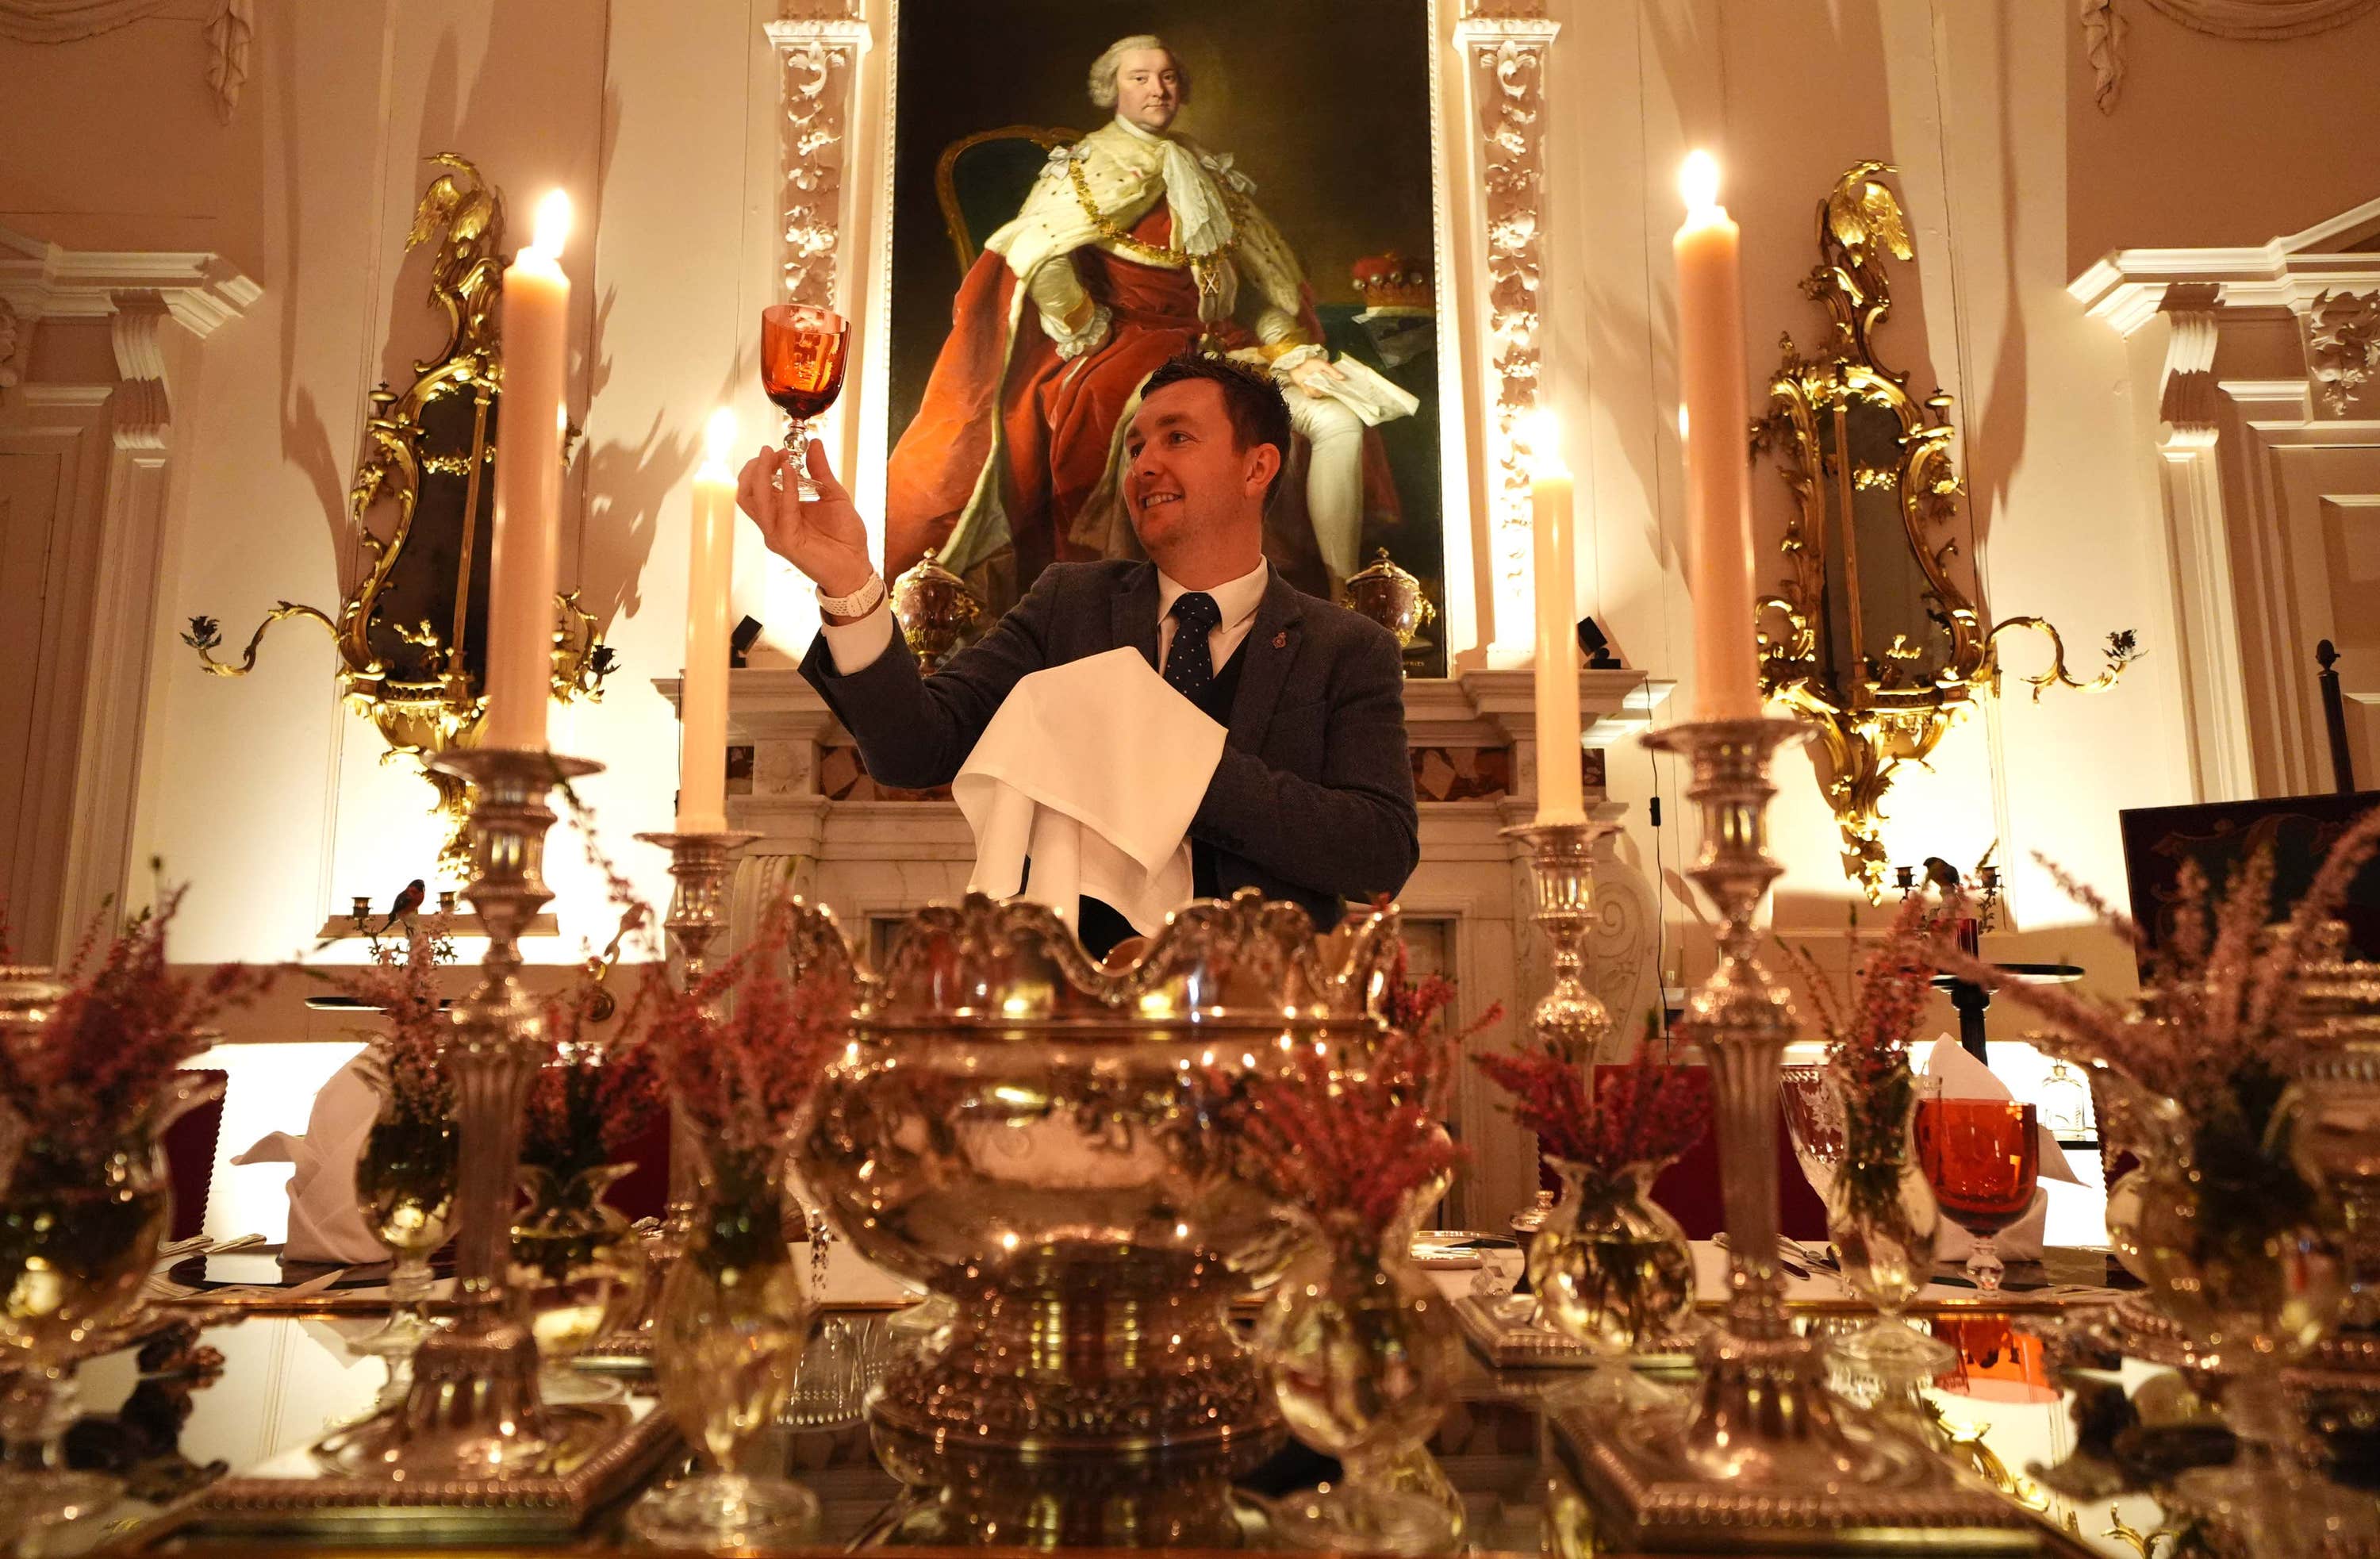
(1093, 770)
(324, 1222)
(1963, 1077)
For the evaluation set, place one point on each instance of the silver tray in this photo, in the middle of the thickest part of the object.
(293, 1494)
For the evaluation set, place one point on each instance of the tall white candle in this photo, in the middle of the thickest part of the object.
(702, 701)
(1560, 796)
(536, 335)
(1719, 519)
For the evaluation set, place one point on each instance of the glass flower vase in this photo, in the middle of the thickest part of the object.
(1361, 1351)
(2242, 1257)
(80, 1227)
(406, 1179)
(1611, 1270)
(728, 1336)
(577, 1273)
(1882, 1219)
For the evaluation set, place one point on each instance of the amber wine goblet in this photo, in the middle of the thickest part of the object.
(801, 368)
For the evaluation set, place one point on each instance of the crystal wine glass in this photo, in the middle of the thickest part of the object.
(405, 1187)
(1813, 1119)
(801, 368)
(1983, 1158)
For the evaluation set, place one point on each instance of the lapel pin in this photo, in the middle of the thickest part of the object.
(1281, 639)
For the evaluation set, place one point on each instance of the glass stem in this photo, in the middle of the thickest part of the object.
(797, 450)
(26, 1426)
(1984, 1265)
(61, 1405)
(408, 1288)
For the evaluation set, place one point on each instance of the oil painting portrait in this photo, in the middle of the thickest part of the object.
(1249, 178)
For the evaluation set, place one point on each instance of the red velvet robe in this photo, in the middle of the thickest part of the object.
(1057, 417)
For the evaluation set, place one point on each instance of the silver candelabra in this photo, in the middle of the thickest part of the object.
(701, 865)
(1569, 1017)
(1761, 1442)
(473, 1414)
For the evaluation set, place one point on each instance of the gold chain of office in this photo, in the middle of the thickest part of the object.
(1204, 269)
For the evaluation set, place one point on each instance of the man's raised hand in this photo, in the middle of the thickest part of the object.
(824, 537)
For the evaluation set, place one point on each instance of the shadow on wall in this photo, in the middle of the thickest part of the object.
(2000, 422)
(305, 438)
(620, 484)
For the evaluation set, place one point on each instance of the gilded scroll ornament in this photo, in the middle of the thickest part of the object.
(1870, 638)
(405, 634)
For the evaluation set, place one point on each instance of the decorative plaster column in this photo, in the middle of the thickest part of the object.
(818, 45)
(2191, 478)
(109, 441)
(2267, 402)
(1503, 45)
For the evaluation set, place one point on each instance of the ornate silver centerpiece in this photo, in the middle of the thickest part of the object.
(1034, 1137)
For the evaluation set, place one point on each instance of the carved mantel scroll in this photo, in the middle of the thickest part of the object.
(819, 53)
(1504, 47)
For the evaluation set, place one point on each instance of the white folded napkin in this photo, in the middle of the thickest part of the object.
(1093, 770)
(324, 1222)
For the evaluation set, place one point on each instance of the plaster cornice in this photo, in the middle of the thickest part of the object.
(40, 280)
(2128, 286)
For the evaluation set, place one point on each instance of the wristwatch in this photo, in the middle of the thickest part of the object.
(858, 603)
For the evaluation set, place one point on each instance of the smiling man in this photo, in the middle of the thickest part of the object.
(1311, 799)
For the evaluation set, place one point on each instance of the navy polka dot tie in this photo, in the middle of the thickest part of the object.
(1190, 665)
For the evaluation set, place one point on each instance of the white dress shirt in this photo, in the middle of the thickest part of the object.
(854, 646)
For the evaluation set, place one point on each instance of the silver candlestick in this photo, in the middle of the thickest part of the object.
(472, 1415)
(1761, 1442)
(701, 867)
(1569, 1018)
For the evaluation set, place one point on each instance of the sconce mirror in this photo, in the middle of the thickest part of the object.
(412, 635)
(1869, 636)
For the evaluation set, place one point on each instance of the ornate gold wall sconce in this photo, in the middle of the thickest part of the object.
(1880, 647)
(411, 635)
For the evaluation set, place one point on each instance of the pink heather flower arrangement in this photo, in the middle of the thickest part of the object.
(1647, 1111)
(1416, 1007)
(404, 1060)
(1345, 1137)
(741, 1049)
(602, 1090)
(89, 1076)
(2215, 1028)
(2219, 1003)
(1868, 1029)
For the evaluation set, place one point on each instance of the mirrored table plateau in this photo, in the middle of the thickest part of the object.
(214, 1399)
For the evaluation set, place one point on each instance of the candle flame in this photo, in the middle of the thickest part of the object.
(1541, 436)
(1698, 180)
(552, 225)
(719, 436)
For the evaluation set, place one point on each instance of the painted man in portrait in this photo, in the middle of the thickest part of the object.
(1133, 244)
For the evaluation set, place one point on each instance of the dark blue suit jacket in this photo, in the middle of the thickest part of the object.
(1312, 799)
